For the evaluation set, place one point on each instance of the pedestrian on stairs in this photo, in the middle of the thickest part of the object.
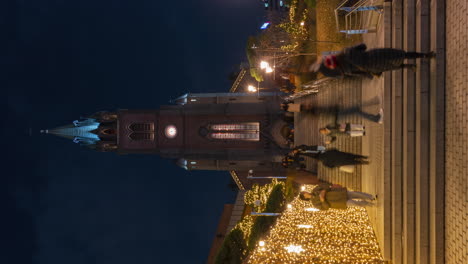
(333, 158)
(358, 61)
(335, 196)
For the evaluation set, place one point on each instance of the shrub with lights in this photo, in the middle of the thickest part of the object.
(266, 198)
(304, 234)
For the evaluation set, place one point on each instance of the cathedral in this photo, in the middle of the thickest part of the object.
(241, 133)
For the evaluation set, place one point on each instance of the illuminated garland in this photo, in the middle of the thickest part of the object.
(245, 225)
(332, 236)
(260, 193)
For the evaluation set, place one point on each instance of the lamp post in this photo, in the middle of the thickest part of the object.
(257, 203)
(253, 89)
(264, 214)
(268, 69)
(250, 176)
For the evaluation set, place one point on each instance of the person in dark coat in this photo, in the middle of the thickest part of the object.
(334, 110)
(358, 61)
(333, 158)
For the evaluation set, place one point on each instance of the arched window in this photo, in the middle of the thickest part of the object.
(141, 131)
(237, 127)
(141, 136)
(236, 131)
(141, 127)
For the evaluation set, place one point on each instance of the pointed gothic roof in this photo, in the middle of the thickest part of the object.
(80, 131)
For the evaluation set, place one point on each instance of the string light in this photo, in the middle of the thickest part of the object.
(257, 196)
(294, 249)
(331, 236)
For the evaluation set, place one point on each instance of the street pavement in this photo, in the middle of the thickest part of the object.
(456, 122)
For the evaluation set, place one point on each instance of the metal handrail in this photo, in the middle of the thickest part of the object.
(353, 20)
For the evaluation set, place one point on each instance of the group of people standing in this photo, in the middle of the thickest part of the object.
(356, 61)
(325, 195)
(332, 157)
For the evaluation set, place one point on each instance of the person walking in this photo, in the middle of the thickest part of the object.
(326, 196)
(347, 129)
(334, 110)
(333, 158)
(358, 61)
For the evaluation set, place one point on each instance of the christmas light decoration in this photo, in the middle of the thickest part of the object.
(293, 248)
(331, 236)
(257, 196)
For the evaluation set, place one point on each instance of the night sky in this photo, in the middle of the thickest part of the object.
(62, 203)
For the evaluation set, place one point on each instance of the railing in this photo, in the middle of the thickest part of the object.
(237, 81)
(311, 87)
(360, 16)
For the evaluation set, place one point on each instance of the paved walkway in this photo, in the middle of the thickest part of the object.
(456, 122)
(344, 93)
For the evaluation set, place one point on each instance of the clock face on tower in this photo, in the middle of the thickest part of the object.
(170, 131)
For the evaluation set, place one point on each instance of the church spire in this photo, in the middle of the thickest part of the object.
(82, 132)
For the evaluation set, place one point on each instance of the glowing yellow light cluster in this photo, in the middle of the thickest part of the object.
(260, 193)
(332, 236)
(245, 225)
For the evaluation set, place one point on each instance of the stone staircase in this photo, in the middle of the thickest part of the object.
(414, 135)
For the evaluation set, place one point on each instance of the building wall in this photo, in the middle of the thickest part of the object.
(191, 143)
(221, 232)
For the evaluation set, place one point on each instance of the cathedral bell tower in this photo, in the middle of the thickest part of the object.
(236, 132)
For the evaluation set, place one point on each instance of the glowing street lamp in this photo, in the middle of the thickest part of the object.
(264, 65)
(251, 88)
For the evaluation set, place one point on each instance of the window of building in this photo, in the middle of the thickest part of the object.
(141, 127)
(141, 136)
(108, 131)
(238, 126)
(237, 131)
(141, 131)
